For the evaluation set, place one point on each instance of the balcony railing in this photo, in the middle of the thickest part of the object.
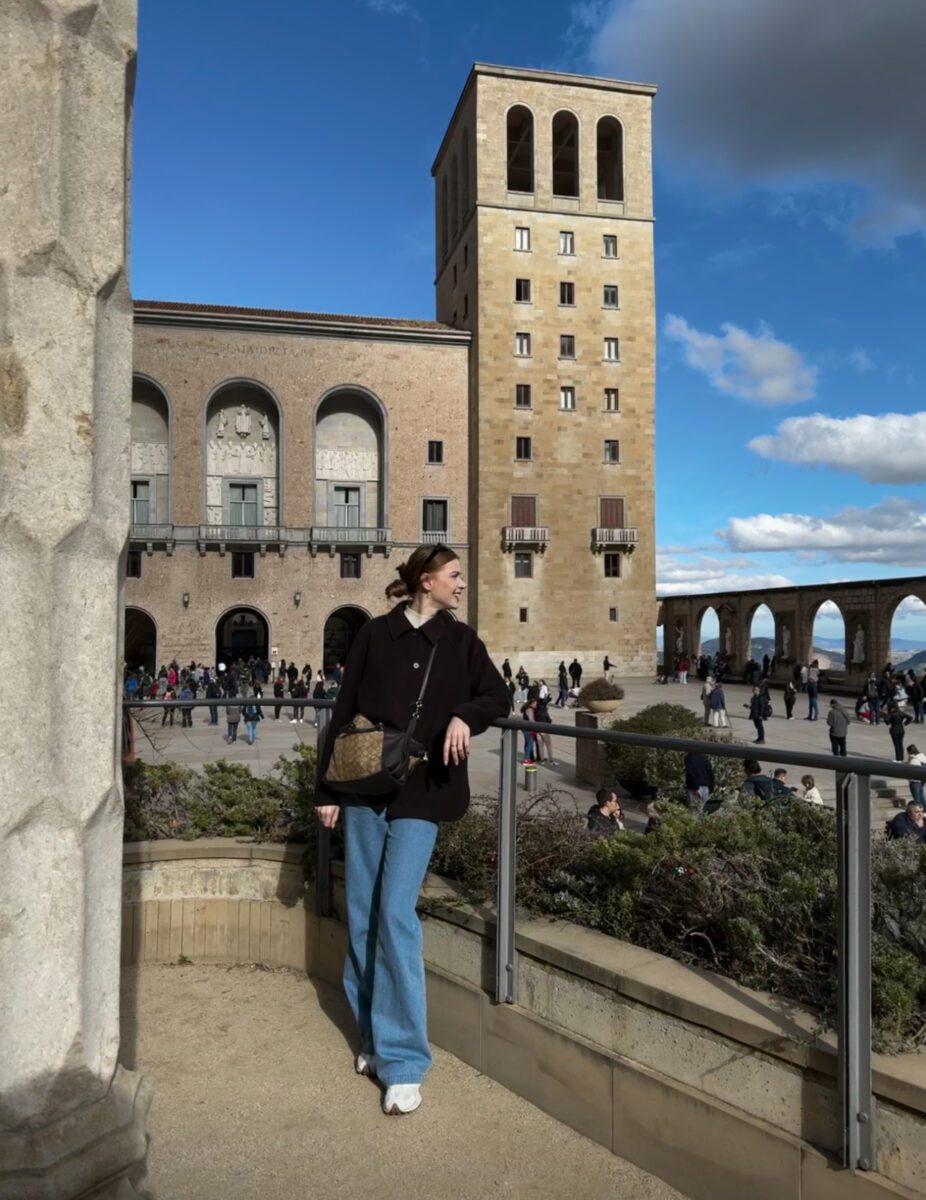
(431, 537)
(240, 533)
(259, 535)
(152, 533)
(603, 537)
(525, 535)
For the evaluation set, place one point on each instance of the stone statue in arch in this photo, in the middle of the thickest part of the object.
(243, 421)
(679, 639)
(221, 423)
(858, 644)
(785, 641)
(727, 642)
(265, 429)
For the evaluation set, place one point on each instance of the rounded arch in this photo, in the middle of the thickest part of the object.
(707, 625)
(376, 499)
(827, 635)
(905, 619)
(219, 460)
(760, 632)
(610, 159)
(151, 451)
(565, 132)
(241, 638)
(519, 127)
(341, 627)
(140, 639)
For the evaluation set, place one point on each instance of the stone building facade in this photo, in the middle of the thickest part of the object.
(283, 463)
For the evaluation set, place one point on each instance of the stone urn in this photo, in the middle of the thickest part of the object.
(603, 706)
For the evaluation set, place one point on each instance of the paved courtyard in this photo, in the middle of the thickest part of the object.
(203, 743)
(255, 1098)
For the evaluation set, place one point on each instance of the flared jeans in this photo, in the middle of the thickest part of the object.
(385, 865)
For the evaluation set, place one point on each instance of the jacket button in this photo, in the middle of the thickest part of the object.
(415, 665)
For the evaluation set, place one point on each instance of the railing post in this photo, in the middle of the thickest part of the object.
(323, 851)
(506, 967)
(853, 811)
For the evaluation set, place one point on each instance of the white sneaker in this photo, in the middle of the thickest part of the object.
(365, 1064)
(292, 720)
(401, 1098)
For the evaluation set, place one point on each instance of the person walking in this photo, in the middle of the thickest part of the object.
(252, 714)
(318, 692)
(683, 665)
(915, 692)
(542, 716)
(575, 673)
(506, 670)
(233, 717)
(389, 839)
(699, 780)
(896, 722)
(186, 710)
(167, 712)
(790, 696)
(757, 706)
(812, 697)
(916, 759)
(279, 692)
(838, 721)
(213, 692)
(563, 680)
(719, 718)
(706, 688)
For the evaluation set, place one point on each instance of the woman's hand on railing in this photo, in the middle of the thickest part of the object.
(456, 743)
(328, 814)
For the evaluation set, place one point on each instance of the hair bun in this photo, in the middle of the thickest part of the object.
(402, 572)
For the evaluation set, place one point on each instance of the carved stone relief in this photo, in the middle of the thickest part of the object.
(237, 457)
(346, 465)
(149, 458)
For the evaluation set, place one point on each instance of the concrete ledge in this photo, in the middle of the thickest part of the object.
(721, 1091)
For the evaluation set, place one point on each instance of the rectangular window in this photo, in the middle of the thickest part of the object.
(567, 399)
(522, 237)
(612, 349)
(522, 395)
(522, 345)
(609, 245)
(567, 345)
(612, 400)
(612, 565)
(350, 564)
(612, 614)
(242, 564)
(242, 504)
(612, 450)
(133, 565)
(522, 291)
(141, 495)
(435, 452)
(346, 507)
(522, 615)
(611, 512)
(567, 293)
(567, 242)
(524, 512)
(434, 517)
(609, 299)
(522, 449)
(523, 564)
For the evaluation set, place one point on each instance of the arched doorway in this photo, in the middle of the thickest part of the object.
(140, 645)
(907, 634)
(828, 637)
(340, 630)
(762, 634)
(241, 633)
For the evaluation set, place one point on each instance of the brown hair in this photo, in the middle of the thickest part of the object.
(396, 590)
(426, 560)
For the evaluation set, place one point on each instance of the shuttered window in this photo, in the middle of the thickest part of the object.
(611, 512)
(524, 511)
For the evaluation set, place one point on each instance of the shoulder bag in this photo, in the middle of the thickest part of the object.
(371, 758)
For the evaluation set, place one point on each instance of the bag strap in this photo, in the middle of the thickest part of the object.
(416, 711)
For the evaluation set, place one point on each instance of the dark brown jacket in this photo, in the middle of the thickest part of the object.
(382, 679)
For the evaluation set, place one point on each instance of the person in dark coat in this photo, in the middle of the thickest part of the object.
(575, 673)
(757, 706)
(896, 723)
(279, 691)
(908, 824)
(186, 710)
(789, 695)
(605, 816)
(699, 779)
(838, 721)
(506, 670)
(233, 717)
(389, 838)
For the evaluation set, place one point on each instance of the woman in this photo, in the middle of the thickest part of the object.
(916, 759)
(896, 722)
(542, 716)
(718, 708)
(706, 688)
(790, 696)
(531, 739)
(811, 791)
(389, 839)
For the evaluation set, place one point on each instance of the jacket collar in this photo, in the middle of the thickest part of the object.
(433, 629)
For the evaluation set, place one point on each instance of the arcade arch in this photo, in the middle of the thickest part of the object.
(242, 455)
(828, 637)
(565, 157)
(241, 633)
(708, 626)
(907, 631)
(761, 638)
(341, 627)
(610, 159)
(520, 149)
(140, 640)
(350, 455)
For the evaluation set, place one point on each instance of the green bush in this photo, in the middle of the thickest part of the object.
(627, 763)
(599, 689)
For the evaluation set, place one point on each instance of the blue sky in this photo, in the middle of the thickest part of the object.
(282, 158)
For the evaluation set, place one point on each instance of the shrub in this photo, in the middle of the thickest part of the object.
(628, 763)
(600, 689)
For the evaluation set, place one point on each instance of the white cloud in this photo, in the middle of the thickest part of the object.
(892, 532)
(753, 367)
(860, 361)
(888, 448)
(688, 574)
(913, 607)
(786, 94)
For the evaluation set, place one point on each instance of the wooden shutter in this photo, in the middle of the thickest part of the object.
(524, 511)
(611, 512)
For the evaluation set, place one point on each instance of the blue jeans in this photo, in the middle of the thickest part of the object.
(698, 797)
(916, 790)
(213, 714)
(530, 745)
(385, 865)
(812, 706)
(252, 732)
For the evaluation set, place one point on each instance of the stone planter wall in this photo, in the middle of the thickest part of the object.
(723, 1092)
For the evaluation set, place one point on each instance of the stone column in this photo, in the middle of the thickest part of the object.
(71, 1120)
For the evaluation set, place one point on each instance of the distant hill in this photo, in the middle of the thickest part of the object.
(914, 662)
(824, 650)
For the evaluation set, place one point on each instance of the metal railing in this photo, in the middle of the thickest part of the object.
(432, 537)
(853, 812)
(349, 535)
(525, 535)
(603, 536)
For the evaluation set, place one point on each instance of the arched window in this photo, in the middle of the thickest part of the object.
(520, 149)
(454, 199)
(610, 159)
(350, 484)
(242, 457)
(464, 172)
(444, 218)
(150, 454)
(565, 155)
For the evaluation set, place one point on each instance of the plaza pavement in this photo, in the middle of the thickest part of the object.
(255, 1098)
(204, 743)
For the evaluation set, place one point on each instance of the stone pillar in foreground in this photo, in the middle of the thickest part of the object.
(71, 1120)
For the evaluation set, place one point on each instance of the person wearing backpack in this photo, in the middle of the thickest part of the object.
(252, 714)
